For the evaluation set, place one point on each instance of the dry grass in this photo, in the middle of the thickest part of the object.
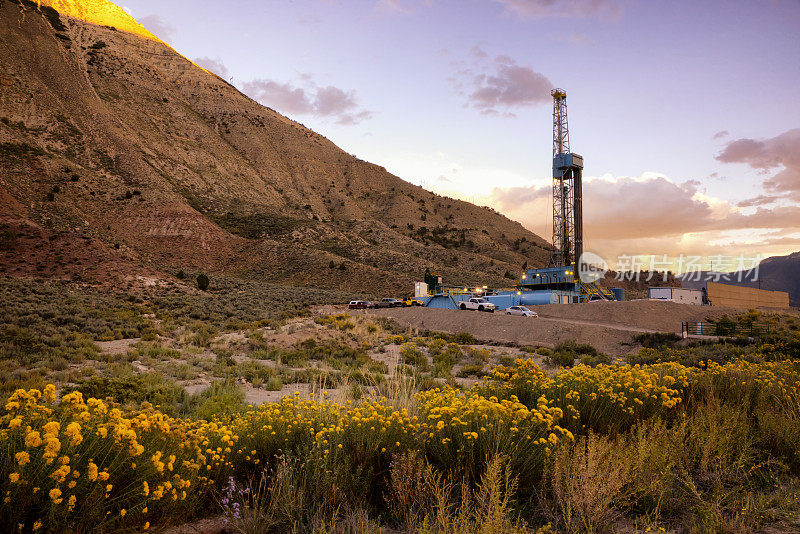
(598, 479)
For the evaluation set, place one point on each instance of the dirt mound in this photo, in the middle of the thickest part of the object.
(608, 326)
(649, 314)
(509, 329)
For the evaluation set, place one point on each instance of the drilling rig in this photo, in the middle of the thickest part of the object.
(560, 281)
(562, 276)
(567, 190)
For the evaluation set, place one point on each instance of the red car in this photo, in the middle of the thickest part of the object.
(360, 305)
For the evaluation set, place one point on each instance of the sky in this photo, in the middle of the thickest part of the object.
(687, 113)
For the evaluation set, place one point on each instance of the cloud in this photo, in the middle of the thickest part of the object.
(214, 65)
(505, 86)
(781, 151)
(311, 99)
(511, 198)
(579, 39)
(405, 7)
(539, 9)
(759, 200)
(158, 27)
(311, 20)
(650, 214)
(721, 134)
(477, 52)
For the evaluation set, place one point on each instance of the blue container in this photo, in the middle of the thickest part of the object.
(619, 293)
(535, 298)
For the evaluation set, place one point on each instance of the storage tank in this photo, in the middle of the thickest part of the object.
(534, 298)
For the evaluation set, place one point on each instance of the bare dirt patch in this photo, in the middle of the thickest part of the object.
(608, 326)
(117, 346)
(653, 315)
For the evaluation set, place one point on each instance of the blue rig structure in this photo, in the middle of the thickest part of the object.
(560, 282)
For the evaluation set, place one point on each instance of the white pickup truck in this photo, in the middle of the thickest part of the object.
(477, 303)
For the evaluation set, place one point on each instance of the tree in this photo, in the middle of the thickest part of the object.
(202, 282)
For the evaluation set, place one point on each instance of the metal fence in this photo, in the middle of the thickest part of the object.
(728, 329)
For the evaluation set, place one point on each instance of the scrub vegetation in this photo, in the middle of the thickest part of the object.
(167, 409)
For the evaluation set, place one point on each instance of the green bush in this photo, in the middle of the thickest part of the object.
(561, 358)
(461, 338)
(220, 400)
(444, 358)
(475, 370)
(413, 356)
(655, 340)
(595, 359)
(133, 389)
(273, 384)
(565, 353)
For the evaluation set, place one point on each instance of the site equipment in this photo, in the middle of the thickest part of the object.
(561, 281)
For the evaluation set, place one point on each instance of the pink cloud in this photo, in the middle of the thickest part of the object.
(328, 101)
(759, 200)
(539, 9)
(648, 216)
(214, 65)
(781, 151)
(505, 86)
(158, 26)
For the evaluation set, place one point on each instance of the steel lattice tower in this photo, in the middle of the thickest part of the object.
(567, 190)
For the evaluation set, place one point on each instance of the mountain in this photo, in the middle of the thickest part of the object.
(776, 273)
(119, 158)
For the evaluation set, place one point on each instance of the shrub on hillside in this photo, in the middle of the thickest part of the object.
(220, 400)
(202, 282)
(413, 356)
(655, 340)
(132, 390)
(565, 353)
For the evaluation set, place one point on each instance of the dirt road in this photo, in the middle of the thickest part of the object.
(609, 326)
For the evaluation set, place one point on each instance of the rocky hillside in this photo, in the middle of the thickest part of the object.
(781, 273)
(118, 156)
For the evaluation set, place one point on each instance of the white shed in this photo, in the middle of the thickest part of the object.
(677, 294)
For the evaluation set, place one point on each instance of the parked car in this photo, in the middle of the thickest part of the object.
(411, 301)
(521, 310)
(360, 305)
(477, 303)
(389, 303)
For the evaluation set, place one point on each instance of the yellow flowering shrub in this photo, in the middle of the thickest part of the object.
(86, 465)
(466, 428)
(777, 383)
(605, 398)
(77, 464)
